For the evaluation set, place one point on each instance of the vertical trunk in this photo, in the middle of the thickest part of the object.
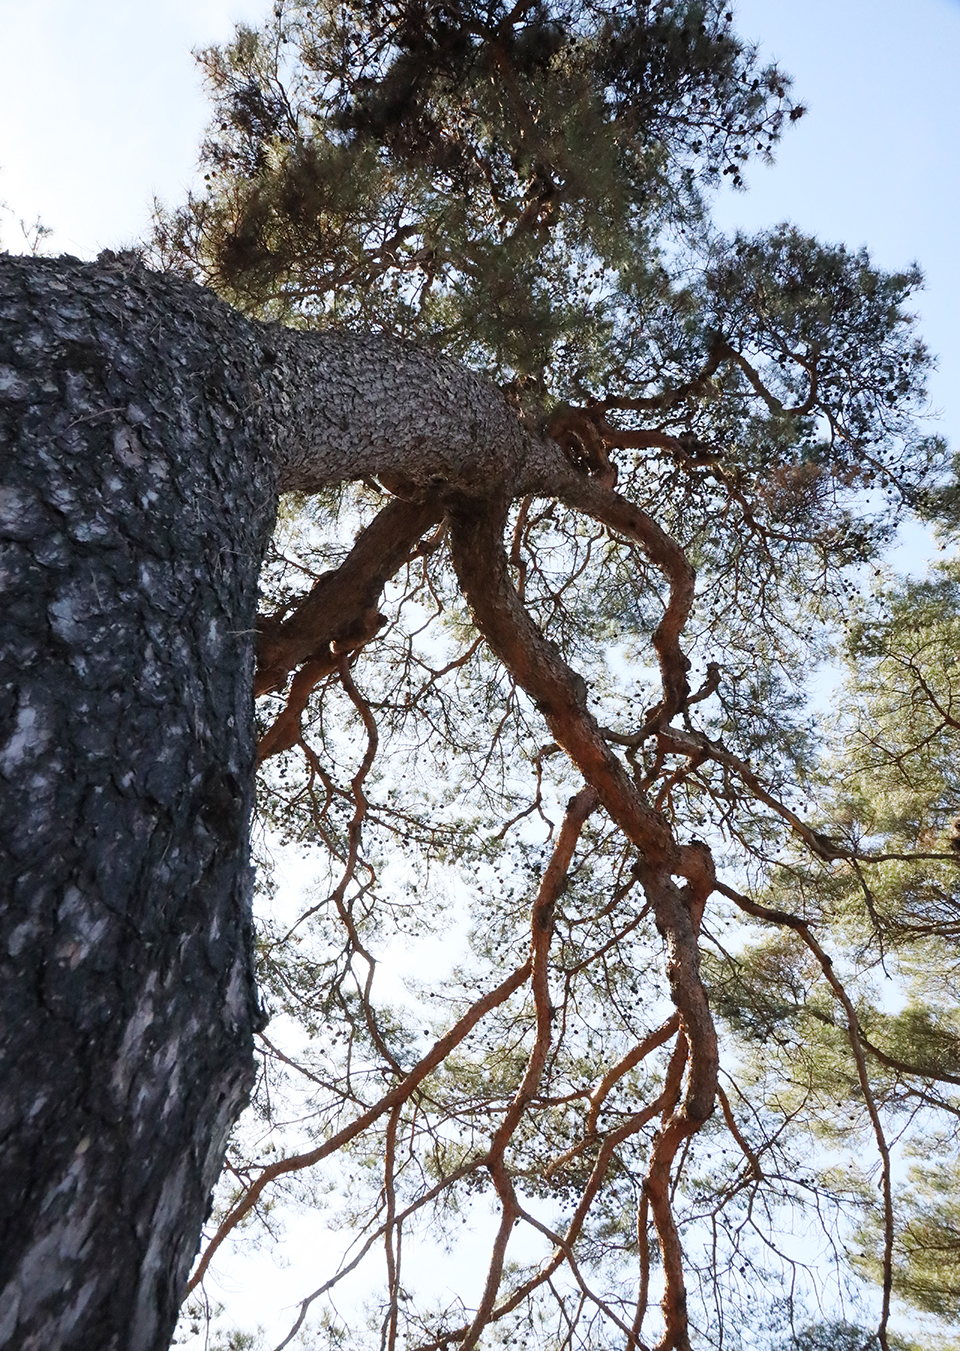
(134, 506)
(144, 429)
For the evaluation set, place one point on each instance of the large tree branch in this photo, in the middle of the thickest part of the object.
(335, 406)
(340, 609)
(476, 536)
(338, 615)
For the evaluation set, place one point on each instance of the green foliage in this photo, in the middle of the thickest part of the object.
(906, 708)
(493, 176)
(841, 1336)
(528, 189)
(928, 1236)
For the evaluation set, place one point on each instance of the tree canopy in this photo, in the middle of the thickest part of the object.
(702, 1000)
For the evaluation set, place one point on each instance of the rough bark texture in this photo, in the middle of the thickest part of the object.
(134, 506)
(144, 431)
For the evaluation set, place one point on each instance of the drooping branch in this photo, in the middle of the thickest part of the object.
(855, 1037)
(476, 533)
(622, 516)
(826, 847)
(565, 1242)
(434, 1057)
(476, 538)
(339, 614)
(869, 1098)
(535, 969)
(578, 809)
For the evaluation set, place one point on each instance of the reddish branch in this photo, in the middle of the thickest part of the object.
(629, 1062)
(338, 615)
(391, 1237)
(749, 1154)
(554, 877)
(565, 1242)
(675, 1129)
(476, 541)
(295, 1162)
(534, 968)
(341, 613)
(425, 1198)
(622, 516)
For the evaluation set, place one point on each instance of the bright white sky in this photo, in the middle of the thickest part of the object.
(101, 108)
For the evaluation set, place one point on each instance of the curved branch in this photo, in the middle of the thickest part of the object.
(294, 1163)
(337, 608)
(338, 615)
(770, 399)
(883, 1149)
(624, 1066)
(578, 809)
(656, 1186)
(476, 540)
(671, 397)
(622, 516)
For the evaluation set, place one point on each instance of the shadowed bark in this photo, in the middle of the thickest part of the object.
(134, 508)
(146, 429)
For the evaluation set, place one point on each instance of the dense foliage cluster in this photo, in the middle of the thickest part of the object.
(473, 1041)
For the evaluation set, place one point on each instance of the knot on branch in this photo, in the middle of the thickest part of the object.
(697, 1110)
(698, 868)
(359, 631)
(577, 431)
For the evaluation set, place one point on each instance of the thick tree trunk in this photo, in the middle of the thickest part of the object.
(134, 507)
(144, 431)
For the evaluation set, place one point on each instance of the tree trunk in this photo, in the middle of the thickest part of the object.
(144, 431)
(134, 508)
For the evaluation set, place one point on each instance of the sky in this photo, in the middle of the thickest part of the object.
(876, 161)
(101, 109)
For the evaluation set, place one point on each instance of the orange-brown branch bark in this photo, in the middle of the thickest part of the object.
(578, 809)
(337, 615)
(477, 547)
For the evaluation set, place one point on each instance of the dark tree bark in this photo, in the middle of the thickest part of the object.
(134, 507)
(144, 431)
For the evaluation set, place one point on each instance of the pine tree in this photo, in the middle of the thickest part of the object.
(535, 666)
(528, 189)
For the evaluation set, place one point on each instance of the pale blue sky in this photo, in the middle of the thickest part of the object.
(877, 159)
(100, 108)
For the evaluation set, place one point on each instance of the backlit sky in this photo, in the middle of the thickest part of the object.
(101, 108)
